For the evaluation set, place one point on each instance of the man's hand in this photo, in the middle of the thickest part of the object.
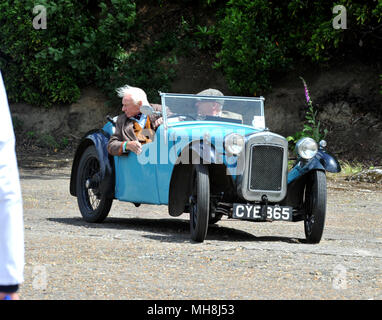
(134, 146)
(158, 122)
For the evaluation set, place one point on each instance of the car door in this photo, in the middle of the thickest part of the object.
(136, 175)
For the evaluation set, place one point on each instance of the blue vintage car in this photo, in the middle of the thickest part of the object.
(207, 165)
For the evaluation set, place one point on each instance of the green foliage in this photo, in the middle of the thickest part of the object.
(90, 42)
(50, 65)
(351, 168)
(261, 38)
(311, 126)
(151, 67)
(147, 68)
(17, 124)
(43, 140)
(47, 141)
(205, 37)
(250, 52)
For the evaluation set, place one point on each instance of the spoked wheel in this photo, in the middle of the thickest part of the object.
(94, 206)
(315, 206)
(200, 204)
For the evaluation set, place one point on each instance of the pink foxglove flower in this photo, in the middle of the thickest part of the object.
(308, 100)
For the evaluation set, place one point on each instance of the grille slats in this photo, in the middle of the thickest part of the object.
(266, 168)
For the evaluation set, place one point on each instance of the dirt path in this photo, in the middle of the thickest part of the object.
(143, 253)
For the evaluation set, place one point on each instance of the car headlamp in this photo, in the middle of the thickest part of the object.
(306, 148)
(234, 143)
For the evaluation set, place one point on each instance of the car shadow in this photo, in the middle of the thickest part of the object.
(173, 230)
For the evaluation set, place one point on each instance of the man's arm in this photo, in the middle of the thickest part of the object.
(119, 144)
(155, 119)
(115, 146)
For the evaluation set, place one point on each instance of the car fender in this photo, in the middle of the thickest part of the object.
(195, 152)
(323, 160)
(205, 151)
(328, 161)
(99, 138)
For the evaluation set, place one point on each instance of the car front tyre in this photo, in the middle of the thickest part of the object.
(315, 206)
(200, 204)
(93, 204)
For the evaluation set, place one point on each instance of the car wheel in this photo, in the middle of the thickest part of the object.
(200, 204)
(94, 206)
(315, 206)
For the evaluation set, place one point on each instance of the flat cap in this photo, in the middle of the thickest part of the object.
(212, 92)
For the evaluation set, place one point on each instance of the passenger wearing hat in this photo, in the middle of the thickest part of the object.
(214, 107)
(210, 107)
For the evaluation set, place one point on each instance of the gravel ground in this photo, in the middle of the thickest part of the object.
(143, 253)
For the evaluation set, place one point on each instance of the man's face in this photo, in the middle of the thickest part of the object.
(208, 108)
(129, 107)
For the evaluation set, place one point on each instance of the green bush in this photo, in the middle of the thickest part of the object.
(250, 51)
(90, 42)
(50, 65)
(260, 39)
(149, 68)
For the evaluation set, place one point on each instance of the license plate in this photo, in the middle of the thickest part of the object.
(259, 212)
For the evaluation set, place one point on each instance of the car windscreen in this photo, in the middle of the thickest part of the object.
(190, 107)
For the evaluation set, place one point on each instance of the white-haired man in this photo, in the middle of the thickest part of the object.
(133, 129)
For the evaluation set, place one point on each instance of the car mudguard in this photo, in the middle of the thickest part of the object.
(180, 183)
(323, 160)
(196, 152)
(99, 138)
(328, 161)
(205, 151)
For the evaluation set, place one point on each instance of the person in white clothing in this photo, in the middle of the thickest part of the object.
(11, 207)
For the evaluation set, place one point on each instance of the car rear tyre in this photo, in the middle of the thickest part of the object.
(200, 204)
(93, 204)
(315, 206)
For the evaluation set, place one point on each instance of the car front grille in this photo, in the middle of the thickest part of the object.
(266, 168)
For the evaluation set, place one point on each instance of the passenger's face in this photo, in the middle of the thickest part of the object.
(208, 108)
(129, 107)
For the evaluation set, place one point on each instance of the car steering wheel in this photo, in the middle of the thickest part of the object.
(180, 115)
